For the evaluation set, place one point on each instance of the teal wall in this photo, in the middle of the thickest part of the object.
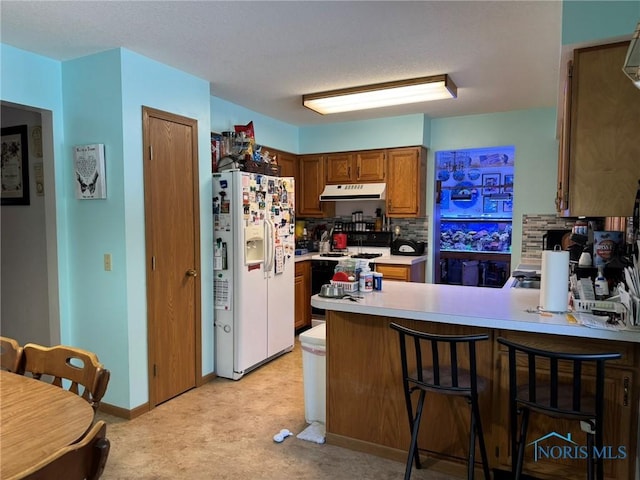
(99, 99)
(152, 84)
(367, 134)
(587, 21)
(268, 131)
(97, 317)
(532, 132)
(34, 80)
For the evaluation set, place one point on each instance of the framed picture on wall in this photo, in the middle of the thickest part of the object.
(508, 184)
(88, 162)
(15, 166)
(489, 206)
(490, 183)
(507, 205)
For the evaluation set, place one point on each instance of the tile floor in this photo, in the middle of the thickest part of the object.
(225, 429)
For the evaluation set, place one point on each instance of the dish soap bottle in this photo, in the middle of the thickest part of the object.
(601, 285)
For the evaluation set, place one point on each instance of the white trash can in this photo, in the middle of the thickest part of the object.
(314, 373)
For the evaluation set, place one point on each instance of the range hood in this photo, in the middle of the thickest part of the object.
(354, 191)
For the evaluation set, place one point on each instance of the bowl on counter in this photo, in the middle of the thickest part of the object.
(332, 291)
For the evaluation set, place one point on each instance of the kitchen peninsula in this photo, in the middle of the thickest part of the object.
(365, 403)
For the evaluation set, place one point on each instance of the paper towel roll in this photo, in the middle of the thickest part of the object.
(554, 281)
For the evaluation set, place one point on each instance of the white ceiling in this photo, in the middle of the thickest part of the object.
(503, 55)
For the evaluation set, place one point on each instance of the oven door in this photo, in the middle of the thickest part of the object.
(321, 274)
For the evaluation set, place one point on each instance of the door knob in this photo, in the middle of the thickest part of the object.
(192, 273)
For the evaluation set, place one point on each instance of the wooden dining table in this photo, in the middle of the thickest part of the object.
(36, 420)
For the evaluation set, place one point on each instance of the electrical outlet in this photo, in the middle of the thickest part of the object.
(107, 262)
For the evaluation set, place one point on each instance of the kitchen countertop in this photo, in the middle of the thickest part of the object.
(500, 308)
(385, 259)
(306, 256)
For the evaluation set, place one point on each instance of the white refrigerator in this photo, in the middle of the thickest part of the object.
(254, 248)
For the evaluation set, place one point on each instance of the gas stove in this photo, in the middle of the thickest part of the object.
(353, 252)
(366, 255)
(334, 254)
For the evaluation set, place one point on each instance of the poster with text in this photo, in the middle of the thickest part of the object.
(88, 161)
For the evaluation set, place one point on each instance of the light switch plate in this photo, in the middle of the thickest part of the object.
(107, 262)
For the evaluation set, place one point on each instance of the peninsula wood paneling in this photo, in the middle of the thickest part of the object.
(365, 394)
(366, 409)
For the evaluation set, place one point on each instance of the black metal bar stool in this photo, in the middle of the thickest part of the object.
(553, 398)
(449, 379)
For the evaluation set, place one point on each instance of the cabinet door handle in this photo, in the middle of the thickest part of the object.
(625, 397)
(349, 172)
(358, 172)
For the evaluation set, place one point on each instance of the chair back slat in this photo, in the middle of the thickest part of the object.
(551, 395)
(80, 368)
(435, 358)
(444, 377)
(11, 355)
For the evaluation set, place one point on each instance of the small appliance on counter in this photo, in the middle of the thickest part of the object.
(402, 246)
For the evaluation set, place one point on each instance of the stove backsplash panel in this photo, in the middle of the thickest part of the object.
(411, 228)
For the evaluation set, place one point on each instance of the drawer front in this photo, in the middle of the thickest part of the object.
(394, 272)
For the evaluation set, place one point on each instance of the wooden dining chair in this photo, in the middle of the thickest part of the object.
(79, 367)
(79, 461)
(11, 355)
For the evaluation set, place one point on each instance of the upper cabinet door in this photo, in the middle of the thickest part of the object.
(370, 166)
(356, 167)
(604, 150)
(288, 164)
(340, 168)
(406, 182)
(309, 187)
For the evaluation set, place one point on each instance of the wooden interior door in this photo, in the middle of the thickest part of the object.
(172, 229)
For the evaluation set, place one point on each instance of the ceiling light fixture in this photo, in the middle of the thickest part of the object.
(386, 94)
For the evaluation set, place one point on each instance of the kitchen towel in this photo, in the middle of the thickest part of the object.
(554, 281)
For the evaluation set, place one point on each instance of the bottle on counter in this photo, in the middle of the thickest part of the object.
(366, 279)
(601, 285)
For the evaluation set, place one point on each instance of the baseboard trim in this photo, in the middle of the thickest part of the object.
(123, 412)
(366, 447)
(450, 467)
(145, 407)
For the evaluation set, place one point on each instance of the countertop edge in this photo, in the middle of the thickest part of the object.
(514, 315)
(385, 260)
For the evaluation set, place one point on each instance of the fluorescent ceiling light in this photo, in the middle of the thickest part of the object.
(381, 95)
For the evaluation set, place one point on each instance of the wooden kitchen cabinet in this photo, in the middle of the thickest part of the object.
(406, 182)
(401, 273)
(356, 167)
(302, 289)
(311, 180)
(288, 163)
(599, 149)
(619, 414)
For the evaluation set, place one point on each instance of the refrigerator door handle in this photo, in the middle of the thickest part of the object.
(272, 246)
(268, 245)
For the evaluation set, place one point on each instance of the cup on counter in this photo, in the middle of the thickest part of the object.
(377, 281)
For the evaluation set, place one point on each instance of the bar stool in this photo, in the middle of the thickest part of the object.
(448, 379)
(550, 397)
